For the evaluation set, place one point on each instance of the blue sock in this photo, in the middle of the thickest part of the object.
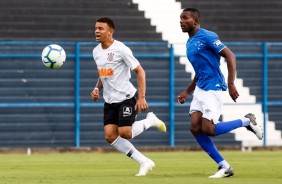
(224, 127)
(207, 145)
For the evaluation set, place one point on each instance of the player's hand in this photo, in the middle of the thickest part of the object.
(95, 95)
(181, 98)
(233, 92)
(141, 105)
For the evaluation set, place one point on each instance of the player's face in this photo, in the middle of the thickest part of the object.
(187, 22)
(102, 32)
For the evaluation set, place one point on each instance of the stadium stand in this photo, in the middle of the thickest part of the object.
(28, 81)
(241, 20)
(71, 20)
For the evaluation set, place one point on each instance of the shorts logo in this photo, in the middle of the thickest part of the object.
(208, 111)
(127, 111)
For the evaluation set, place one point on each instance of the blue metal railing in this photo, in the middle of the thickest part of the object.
(172, 96)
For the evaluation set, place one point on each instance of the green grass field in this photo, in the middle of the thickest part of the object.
(115, 168)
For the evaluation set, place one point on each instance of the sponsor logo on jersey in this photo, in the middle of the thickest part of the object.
(106, 72)
(110, 57)
(127, 111)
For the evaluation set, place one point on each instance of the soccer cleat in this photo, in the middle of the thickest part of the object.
(159, 124)
(146, 167)
(223, 173)
(254, 127)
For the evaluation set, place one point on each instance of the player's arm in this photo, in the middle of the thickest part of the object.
(95, 94)
(231, 66)
(183, 95)
(141, 104)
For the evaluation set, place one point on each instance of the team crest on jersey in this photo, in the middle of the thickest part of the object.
(110, 57)
(127, 111)
(217, 43)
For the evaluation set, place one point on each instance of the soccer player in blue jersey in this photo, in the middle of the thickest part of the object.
(204, 50)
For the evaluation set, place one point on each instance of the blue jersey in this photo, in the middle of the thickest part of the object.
(203, 52)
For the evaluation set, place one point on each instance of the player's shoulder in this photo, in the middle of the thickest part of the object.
(119, 44)
(212, 38)
(122, 47)
(208, 33)
(97, 48)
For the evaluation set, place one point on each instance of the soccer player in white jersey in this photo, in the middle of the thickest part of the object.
(114, 62)
(204, 50)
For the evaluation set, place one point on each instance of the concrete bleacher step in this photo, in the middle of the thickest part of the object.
(53, 20)
(240, 13)
(61, 12)
(67, 4)
(70, 22)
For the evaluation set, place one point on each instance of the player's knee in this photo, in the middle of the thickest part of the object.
(110, 138)
(126, 135)
(125, 132)
(195, 130)
(208, 130)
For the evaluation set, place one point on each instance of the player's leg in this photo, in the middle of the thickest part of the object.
(151, 121)
(111, 118)
(212, 105)
(248, 121)
(204, 140)
(126, 118)
(128, 113)
(124, 146)
(224, 169)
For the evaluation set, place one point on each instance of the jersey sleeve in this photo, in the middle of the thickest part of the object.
(214, 43)
(128, 57)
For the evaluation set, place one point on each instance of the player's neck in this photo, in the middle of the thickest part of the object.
(107, 43)
(194, 31)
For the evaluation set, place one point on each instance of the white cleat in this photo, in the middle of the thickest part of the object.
(159, 124)
(145, 168)
(223, 173)
(254, 127)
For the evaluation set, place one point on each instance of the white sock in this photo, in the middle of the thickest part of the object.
(245, 121)
(128, 149)
(224, 164)
(140, 126)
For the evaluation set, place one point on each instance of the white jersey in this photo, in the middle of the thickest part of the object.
(114, 64)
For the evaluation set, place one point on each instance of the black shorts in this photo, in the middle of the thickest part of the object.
(121, 114)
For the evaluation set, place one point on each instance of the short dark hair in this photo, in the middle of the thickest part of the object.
(194, 12)
(107, 20)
